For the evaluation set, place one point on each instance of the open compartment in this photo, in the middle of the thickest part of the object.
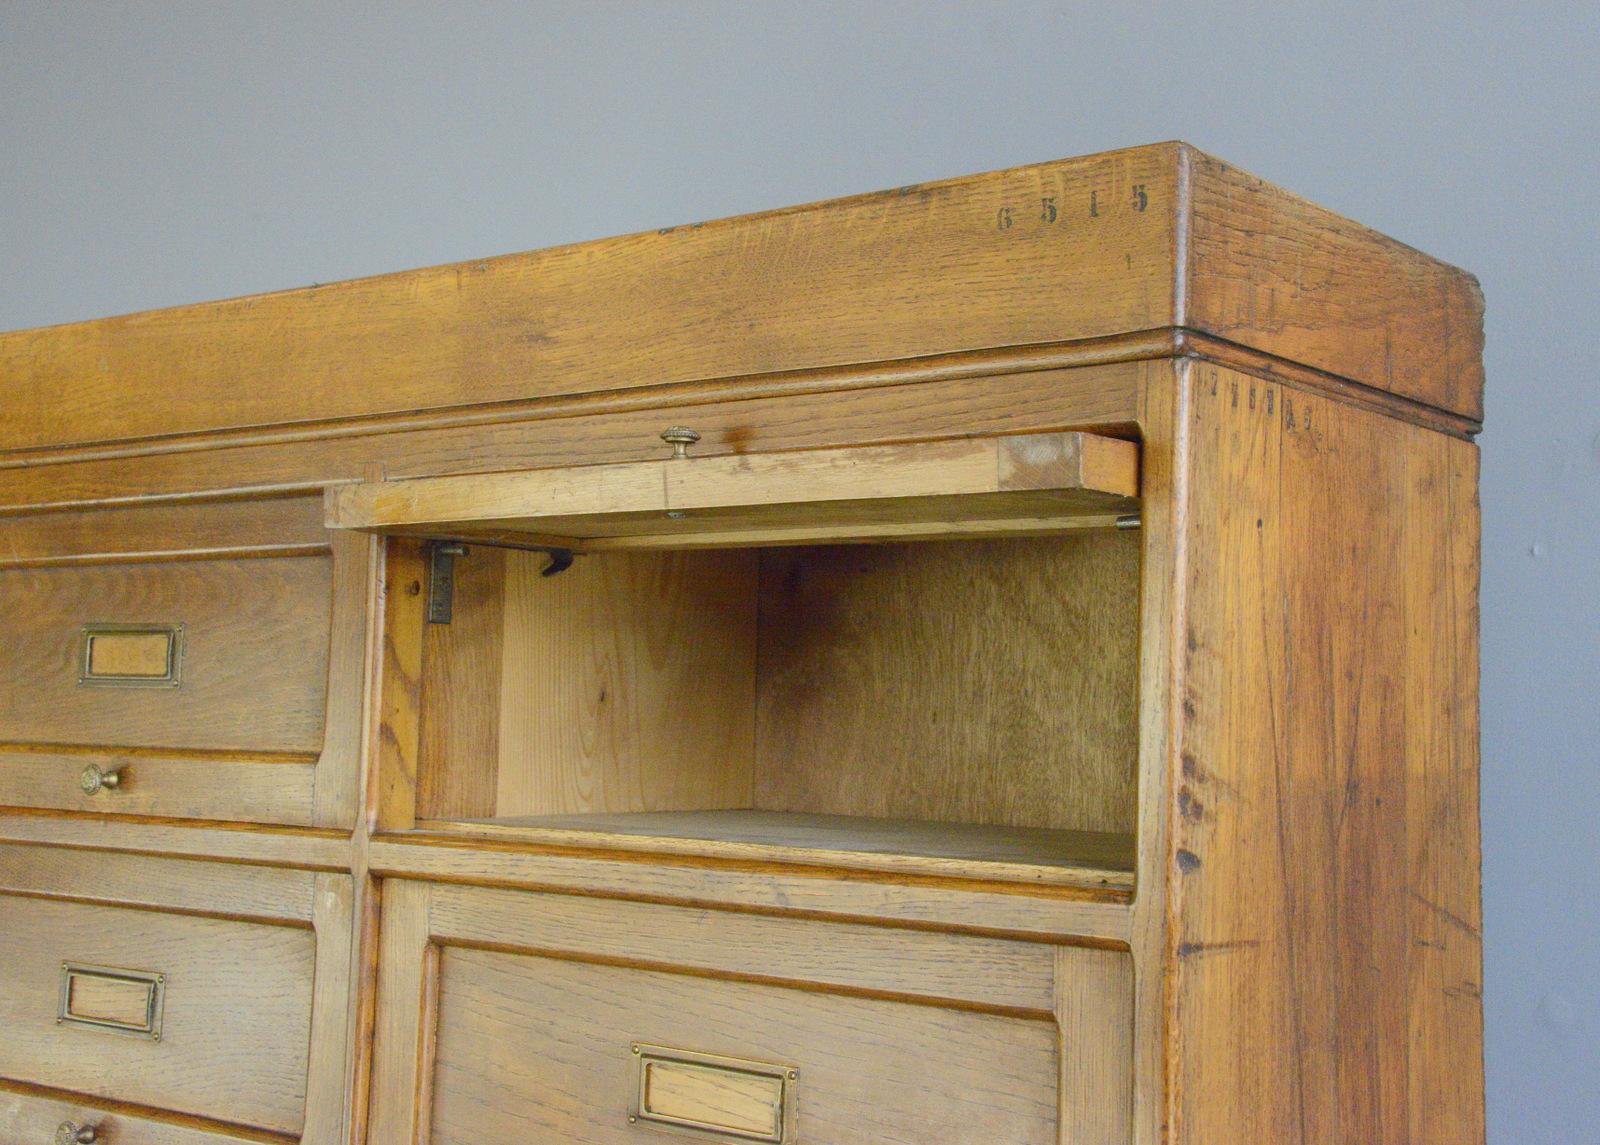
(711, 683)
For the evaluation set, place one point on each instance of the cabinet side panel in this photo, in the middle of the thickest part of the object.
(1324, 955)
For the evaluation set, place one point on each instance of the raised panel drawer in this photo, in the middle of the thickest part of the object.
(249, 637)
(864, 1071)
(612, 1023)
(188, 673)
(189, 989)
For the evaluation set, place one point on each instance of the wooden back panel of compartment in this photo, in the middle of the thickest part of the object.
(834, 680)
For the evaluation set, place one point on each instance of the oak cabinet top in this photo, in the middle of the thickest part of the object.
(1119, 248)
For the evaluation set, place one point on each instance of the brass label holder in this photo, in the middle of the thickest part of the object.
(712, 1097)
(130, 655)
(111, 1000)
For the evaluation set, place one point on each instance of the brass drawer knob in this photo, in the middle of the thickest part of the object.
(94, 778)
(69, 1134)
(680, 438)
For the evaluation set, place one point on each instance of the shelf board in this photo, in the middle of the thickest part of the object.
(1099, 861)
(1028, 484)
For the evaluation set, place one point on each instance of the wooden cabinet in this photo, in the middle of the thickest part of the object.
(188, 662)
(135, 982)
(992, 661)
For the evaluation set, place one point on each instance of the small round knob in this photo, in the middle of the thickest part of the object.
(680, 439)
(94, 778)
(69, 1134)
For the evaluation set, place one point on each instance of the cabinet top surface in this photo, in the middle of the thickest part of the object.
(1123, 244)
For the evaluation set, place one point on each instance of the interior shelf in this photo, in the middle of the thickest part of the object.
(1095, 859)
(715, 664)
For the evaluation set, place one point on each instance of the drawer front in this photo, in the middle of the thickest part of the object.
(585, 1022)
(228, 655)
(203, 1016)
(28, 1118)
(190, 688)
(528, 1039)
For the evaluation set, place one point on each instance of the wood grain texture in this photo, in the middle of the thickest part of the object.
(1272, 271)
(659, 504)
(458, 727)
(989, 973)
(982, 682)
(1164, 517)
(630, 684)
(1094, 1009)
(918, 400)
(255, 654)
(1325, 969)
(29, 1115)
(402, 1068)
(1128, 242)
(453, 855)
(397, 685)
(269, 526)
(233, 890)
(236, 1020)
(202, 786)
(296, 848)
(223, 994)
(912, 272)
(185, 559)
(1091, 860)
(870, 1071)
(338, 777)
(627, 684)
(1280, 706)
(333, 1043)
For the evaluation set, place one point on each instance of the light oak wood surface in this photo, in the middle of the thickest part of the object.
(255, 647)
(892, 1035)
(1100, 860)
(1094, 1009)
(626, 684)
(230, 890)
(869, 1070)
(1156, 837)
(274, 526)
(30, 1115)
(296, 848)
(202, 785)
(993, 392)
(1324, 842)
(958, 486)
(262, 720)
(455, 853)
(995, 974)
(1274, 272)
(631, 684)
(1128, 241)
(237, 1008)
(255, 963)
(963, 682)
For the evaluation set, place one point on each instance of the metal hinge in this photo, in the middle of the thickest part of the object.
(442, 571)
(442, 579)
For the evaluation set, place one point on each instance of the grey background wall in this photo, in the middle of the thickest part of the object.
(161, 153)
